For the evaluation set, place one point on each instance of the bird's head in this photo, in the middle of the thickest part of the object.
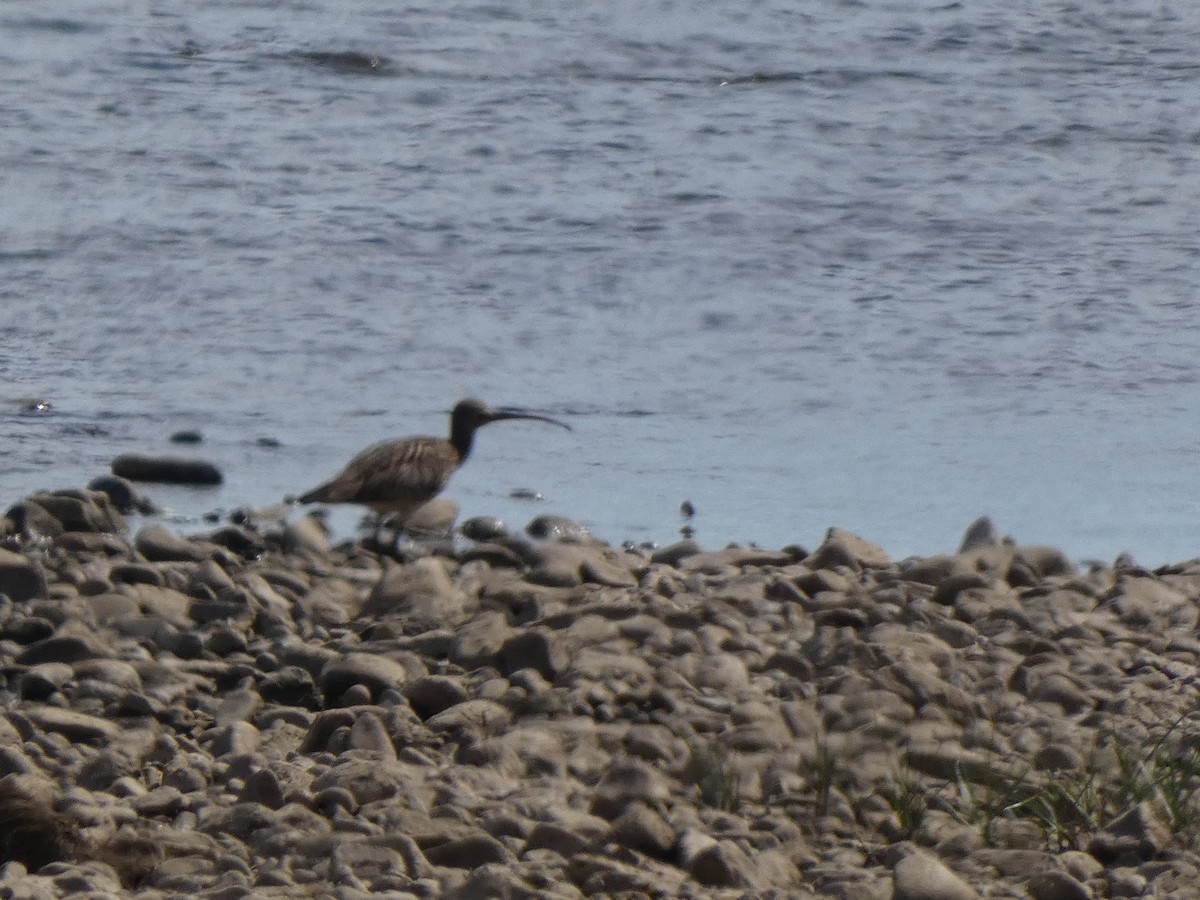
(470, 414)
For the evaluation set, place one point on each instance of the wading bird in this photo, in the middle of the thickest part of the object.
(394, 478)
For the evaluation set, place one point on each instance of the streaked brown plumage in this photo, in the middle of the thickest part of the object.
(396, 477)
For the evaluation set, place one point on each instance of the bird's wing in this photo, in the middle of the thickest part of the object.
(411, 470)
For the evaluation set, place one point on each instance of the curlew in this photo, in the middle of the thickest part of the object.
(394, 478)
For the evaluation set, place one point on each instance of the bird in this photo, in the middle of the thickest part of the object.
(394, 478)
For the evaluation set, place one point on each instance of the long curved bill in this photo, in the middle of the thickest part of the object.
(511, 412)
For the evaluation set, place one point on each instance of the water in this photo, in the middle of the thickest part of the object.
(888, 266)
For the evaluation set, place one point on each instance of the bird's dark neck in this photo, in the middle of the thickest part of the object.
(461, 435)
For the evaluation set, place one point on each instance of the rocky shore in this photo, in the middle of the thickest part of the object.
(253, 712)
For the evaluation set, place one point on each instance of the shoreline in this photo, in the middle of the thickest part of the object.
(251, 711)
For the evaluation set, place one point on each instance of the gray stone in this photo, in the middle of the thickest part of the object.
(305, 534)
(376, 673)
(432, 519)
(43, 680)
(421, 592)
(920, 876)
(367, 733)
(1057, 885)
(842, 548)
(624, 783)
(556, 528)
(470, 852)
(263, 787)
(472, 717)
(21, 579)
(432, 694)
(161, 801)
(158, 544)
(78, 510)
(63, 648)
(1136, 836)
(536, 648)
(121, 494)
(641, 828)
(236, 739)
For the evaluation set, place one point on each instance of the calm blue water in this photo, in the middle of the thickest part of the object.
(888, 266)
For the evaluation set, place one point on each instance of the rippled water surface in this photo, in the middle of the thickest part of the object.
(885, 265)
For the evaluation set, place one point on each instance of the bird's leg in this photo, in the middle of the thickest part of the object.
(397, 532)
(376, 535)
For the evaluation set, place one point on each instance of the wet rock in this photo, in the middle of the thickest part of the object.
(242, 541)
(21, 579)
(557, 528)
(122, 495)
(166, 469)
(30, 520)
(80, 510)
(484, 529)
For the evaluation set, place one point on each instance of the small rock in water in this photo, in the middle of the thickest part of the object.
(187, 436)
(525, 494)
(556, 528)
(484, 528)
(166, 469)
